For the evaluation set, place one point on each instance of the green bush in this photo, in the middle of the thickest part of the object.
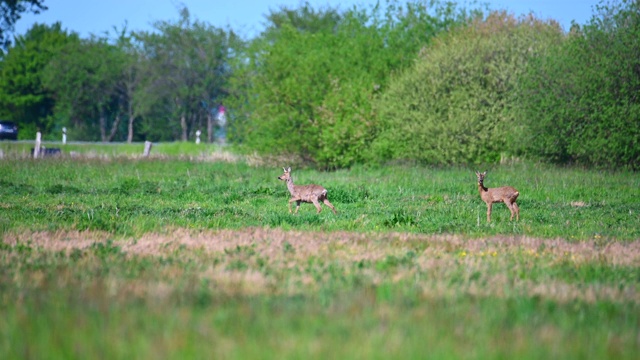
(453, 105)
(312, 77)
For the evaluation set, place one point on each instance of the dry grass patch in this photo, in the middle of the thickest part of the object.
(347, 245)
(264, 260)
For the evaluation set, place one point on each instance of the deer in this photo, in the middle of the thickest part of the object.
(305, 193)
(505, 194)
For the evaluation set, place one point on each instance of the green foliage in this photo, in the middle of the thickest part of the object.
(312, 85)
(23, 96)
(579, 104)
(452, 106)
(333, 89)
(85, 77)
(11, 10)
(160, 86)
(185, 76)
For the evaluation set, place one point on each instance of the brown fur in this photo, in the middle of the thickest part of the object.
(313, 194)
(506, 194)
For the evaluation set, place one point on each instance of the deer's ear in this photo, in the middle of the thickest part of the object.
(485, 172)
(477, 173)
(288, 169)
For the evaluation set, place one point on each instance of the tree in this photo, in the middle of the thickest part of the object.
(188, 72)
(11, 10)
(453, 105)
(304, 19)
(266, 67)
(579, 104)
(86, 78)
(23, 97)
(131, 79)
(310, 79)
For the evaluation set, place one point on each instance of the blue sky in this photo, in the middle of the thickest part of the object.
(245, 16)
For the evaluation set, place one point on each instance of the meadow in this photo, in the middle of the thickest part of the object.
(195, 254)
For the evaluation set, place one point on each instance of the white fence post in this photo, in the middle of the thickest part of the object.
(198, 136)
(147, 148)
(36, 150)
(64, 135)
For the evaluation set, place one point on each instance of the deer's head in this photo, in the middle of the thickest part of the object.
(287, 174)
(481, 177)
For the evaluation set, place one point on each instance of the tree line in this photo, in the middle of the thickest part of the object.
(425, 82)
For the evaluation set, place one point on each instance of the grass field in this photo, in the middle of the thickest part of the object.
(180, 256)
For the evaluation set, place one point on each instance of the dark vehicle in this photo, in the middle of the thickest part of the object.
(8, 130)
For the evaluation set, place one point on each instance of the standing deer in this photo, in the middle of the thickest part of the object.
(305, 193)
(505, 194)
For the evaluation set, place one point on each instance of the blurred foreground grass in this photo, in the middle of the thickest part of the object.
(182, 256)
(261, 293)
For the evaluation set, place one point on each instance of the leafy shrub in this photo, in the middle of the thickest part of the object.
(452, 106)
(311, 78)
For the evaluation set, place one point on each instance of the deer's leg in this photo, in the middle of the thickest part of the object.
(510, 206)
(489, 205)
(517, 211)
(317, 205)
(290, 201)
(298, 205)
(326, 202)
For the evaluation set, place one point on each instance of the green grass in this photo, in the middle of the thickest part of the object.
(273, 294)
(171, 258)
(166, 149)
(132, 197)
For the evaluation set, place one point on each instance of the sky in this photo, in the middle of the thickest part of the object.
(246, 17)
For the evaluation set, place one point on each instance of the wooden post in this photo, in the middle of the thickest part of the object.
(36, 150)
(147, 148)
